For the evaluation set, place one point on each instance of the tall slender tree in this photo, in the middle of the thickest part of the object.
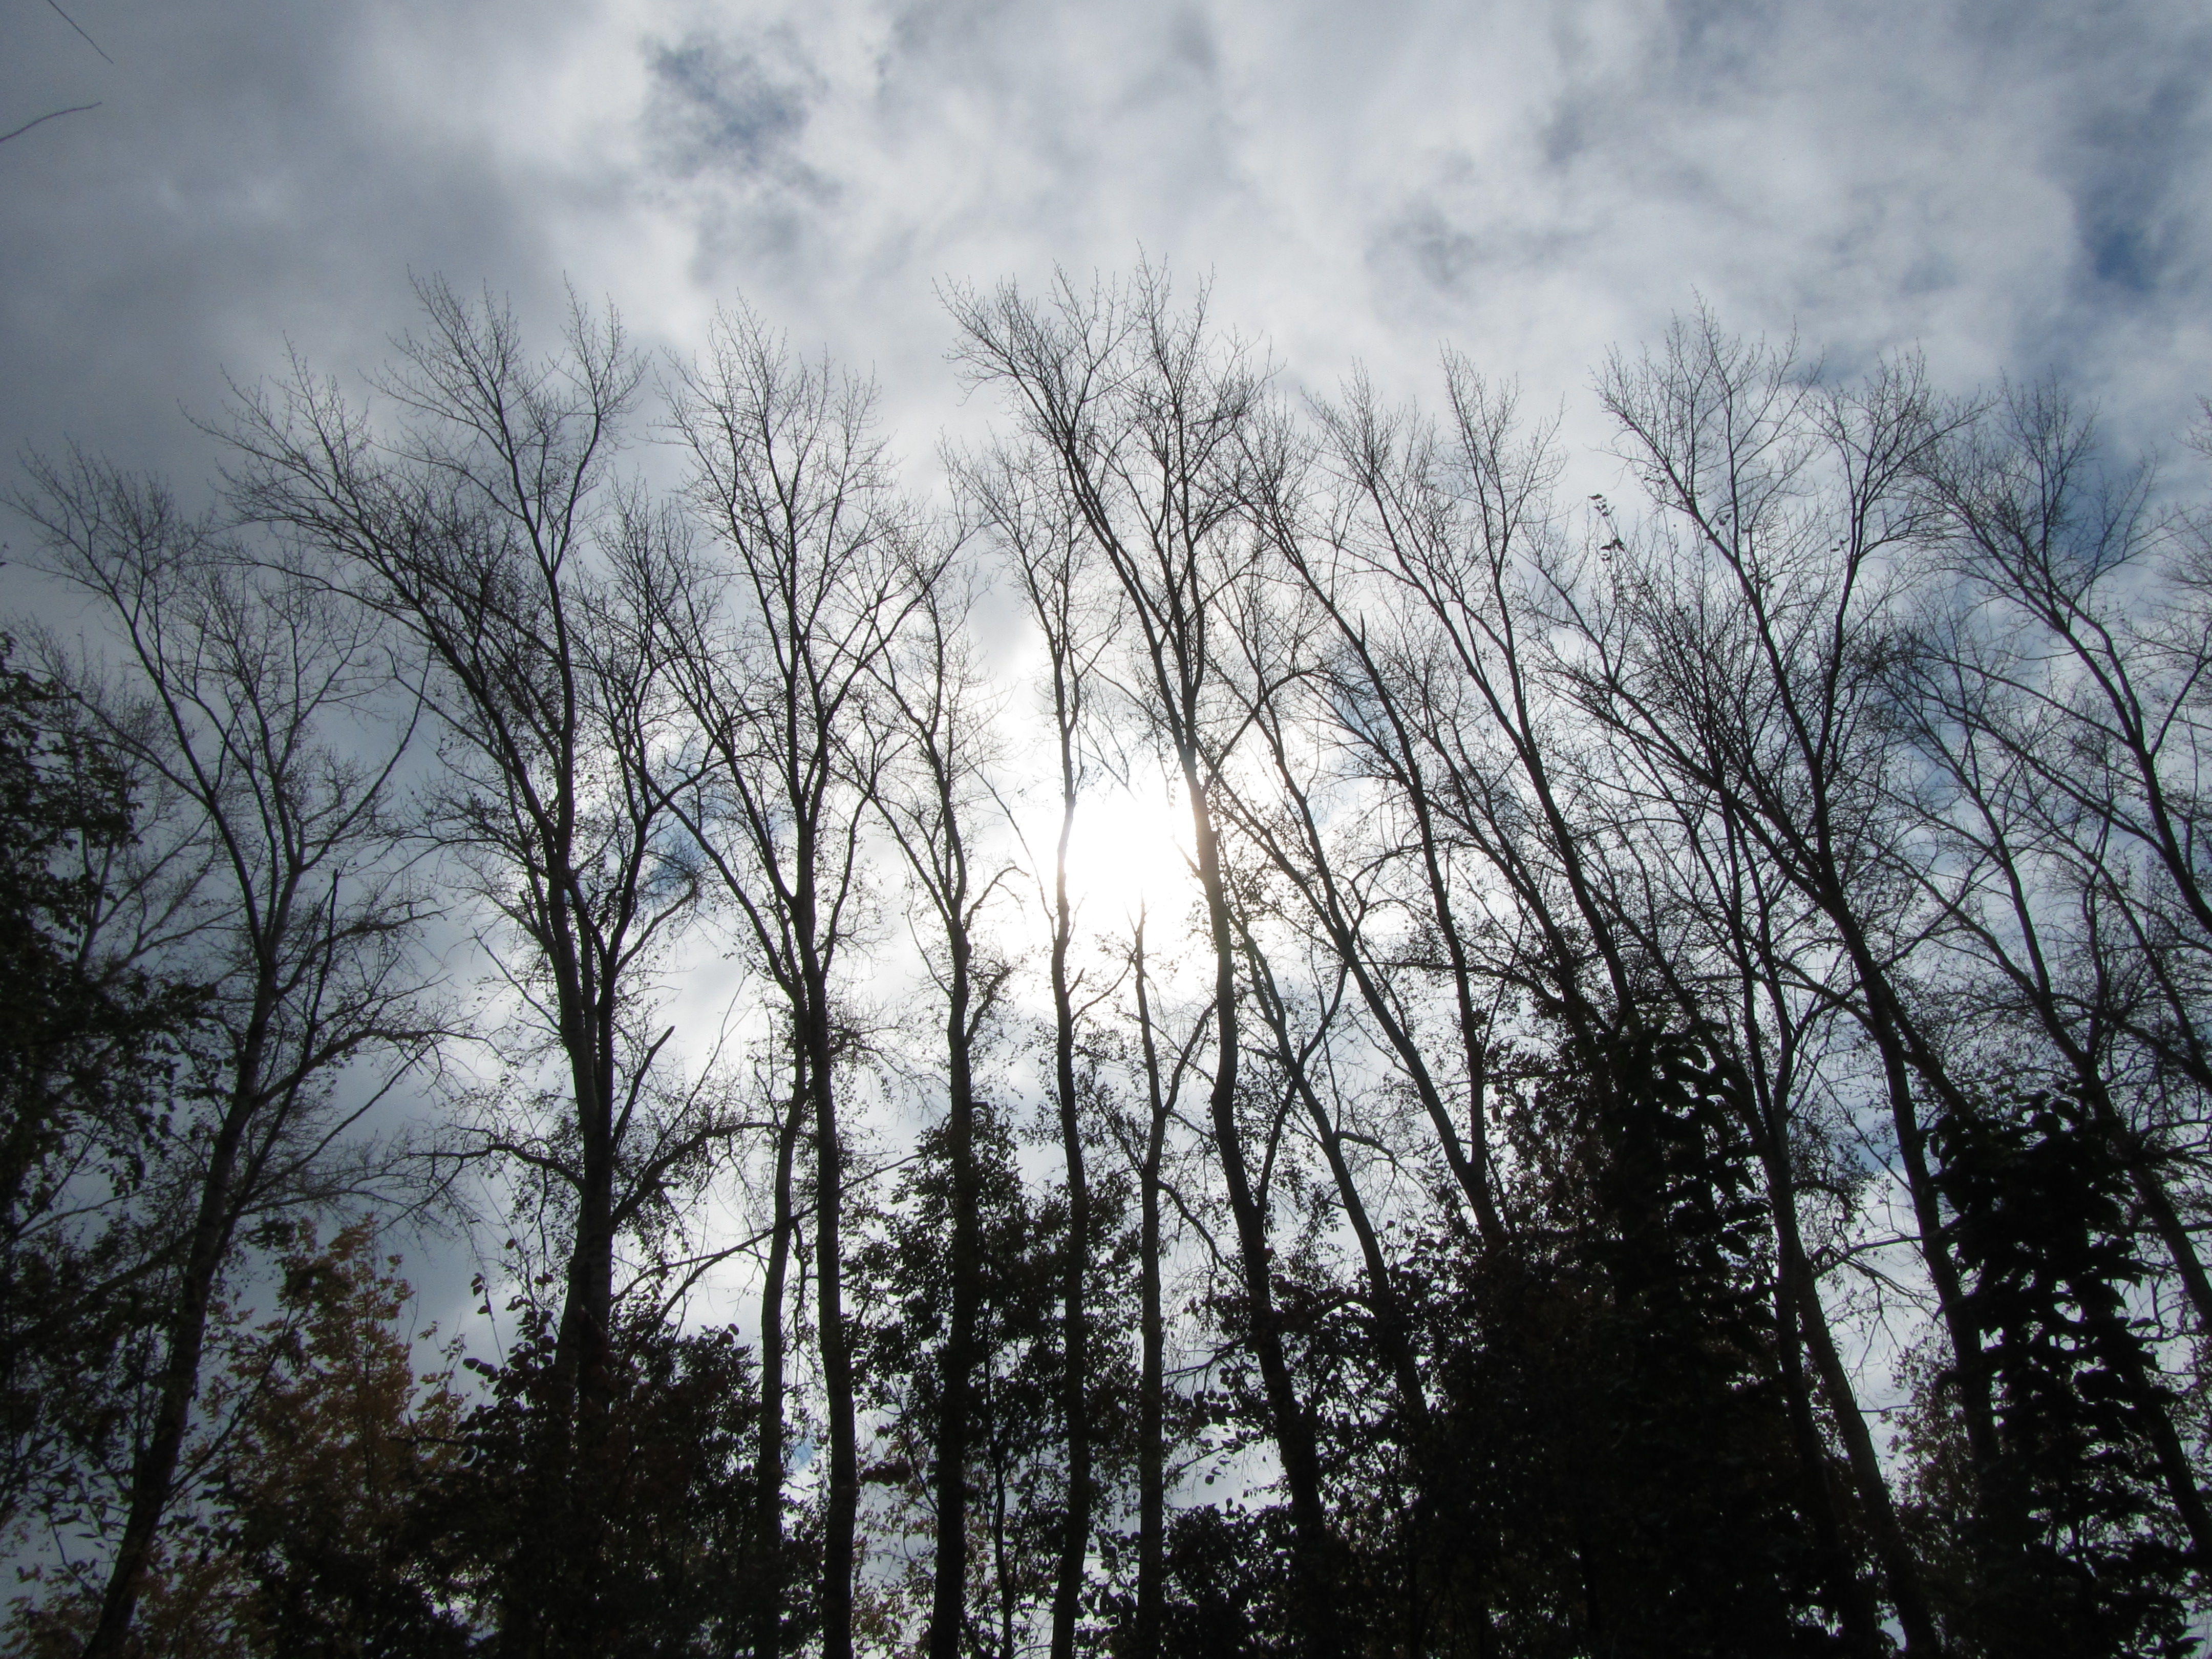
(775, 618)
(247, 691)
(483, 525)
(1020, 498)
(938, 798)
(1159, 426)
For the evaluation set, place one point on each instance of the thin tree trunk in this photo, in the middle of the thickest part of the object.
(1151, 1451)
(1074, 1328)
(1294, 1438)
(768, 1523)
(1899, 1049)
(949, 1591)
(562, 1603)
(1802, 1321)
(1854, 1605)
(2158, 1204)
(842, 1509)
(1004, 1567)
(1878, 1509)
(154, 1472)
(1392, 1330)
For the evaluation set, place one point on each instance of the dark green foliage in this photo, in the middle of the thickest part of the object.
(91, 1051)
(359, 1506)
(1371, 1455)
(1609, 1470)
(1230, 1580)
(657, 1497)
(2071, 1545)
(1606, 1388)
(902, 1286)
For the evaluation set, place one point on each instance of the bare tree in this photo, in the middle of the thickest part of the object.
(1456, 529)
(1453, 688)
(937, 798)
(1735, 647)
(775, 632)
(1145, 1145)
(2056, 708)
(480, 525)
(264, 706)
(1156, 426)
(1741, 953)
(2067, 712)
(1020, 498)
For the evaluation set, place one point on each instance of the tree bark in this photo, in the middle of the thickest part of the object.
(949, 1588)
(1075, 1411)
(841, 1508)
(1152, 1449)
(768, 1513)
(154, 1472)
(1316, 1587)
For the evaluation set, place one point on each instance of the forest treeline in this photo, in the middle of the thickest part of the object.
(1663, 1116)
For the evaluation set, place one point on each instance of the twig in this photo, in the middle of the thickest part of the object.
(74, 24)
(51, 114)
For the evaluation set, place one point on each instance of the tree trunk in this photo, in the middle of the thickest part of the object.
(1854, 1605)
(558, 1592)
(1152, 1452)
(156, 1467)
(1810, 1325)
(842, 1509)
(1074, 1332)
(1392, 1333)
(768, 1523)
(1315, 1590)
(949, 1590)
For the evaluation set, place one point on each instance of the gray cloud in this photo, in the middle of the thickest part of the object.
(245, 178)
(2021, 187)
(719, 105)
(2009, 185)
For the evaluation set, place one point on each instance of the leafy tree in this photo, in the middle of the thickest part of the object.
(322, 1446)
(91, 1053)
(679, 1572)
(1015, 1471)
(2041, 1200)
(327, 1494)
(1611, 1383)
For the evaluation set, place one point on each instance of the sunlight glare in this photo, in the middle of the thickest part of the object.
(1130, 850)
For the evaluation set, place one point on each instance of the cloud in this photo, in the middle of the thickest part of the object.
(723, 106)
(2023, 186)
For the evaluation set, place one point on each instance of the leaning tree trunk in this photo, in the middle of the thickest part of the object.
(1315, 1590)
(154, 1470)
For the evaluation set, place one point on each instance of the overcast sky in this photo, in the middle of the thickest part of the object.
(2014, 186)
(2009, 187)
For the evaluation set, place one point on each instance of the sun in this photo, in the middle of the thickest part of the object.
(1130, 852)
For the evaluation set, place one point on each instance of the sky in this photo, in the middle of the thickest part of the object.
(2021, 188)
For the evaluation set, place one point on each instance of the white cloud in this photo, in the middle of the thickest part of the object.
(2018, 188)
